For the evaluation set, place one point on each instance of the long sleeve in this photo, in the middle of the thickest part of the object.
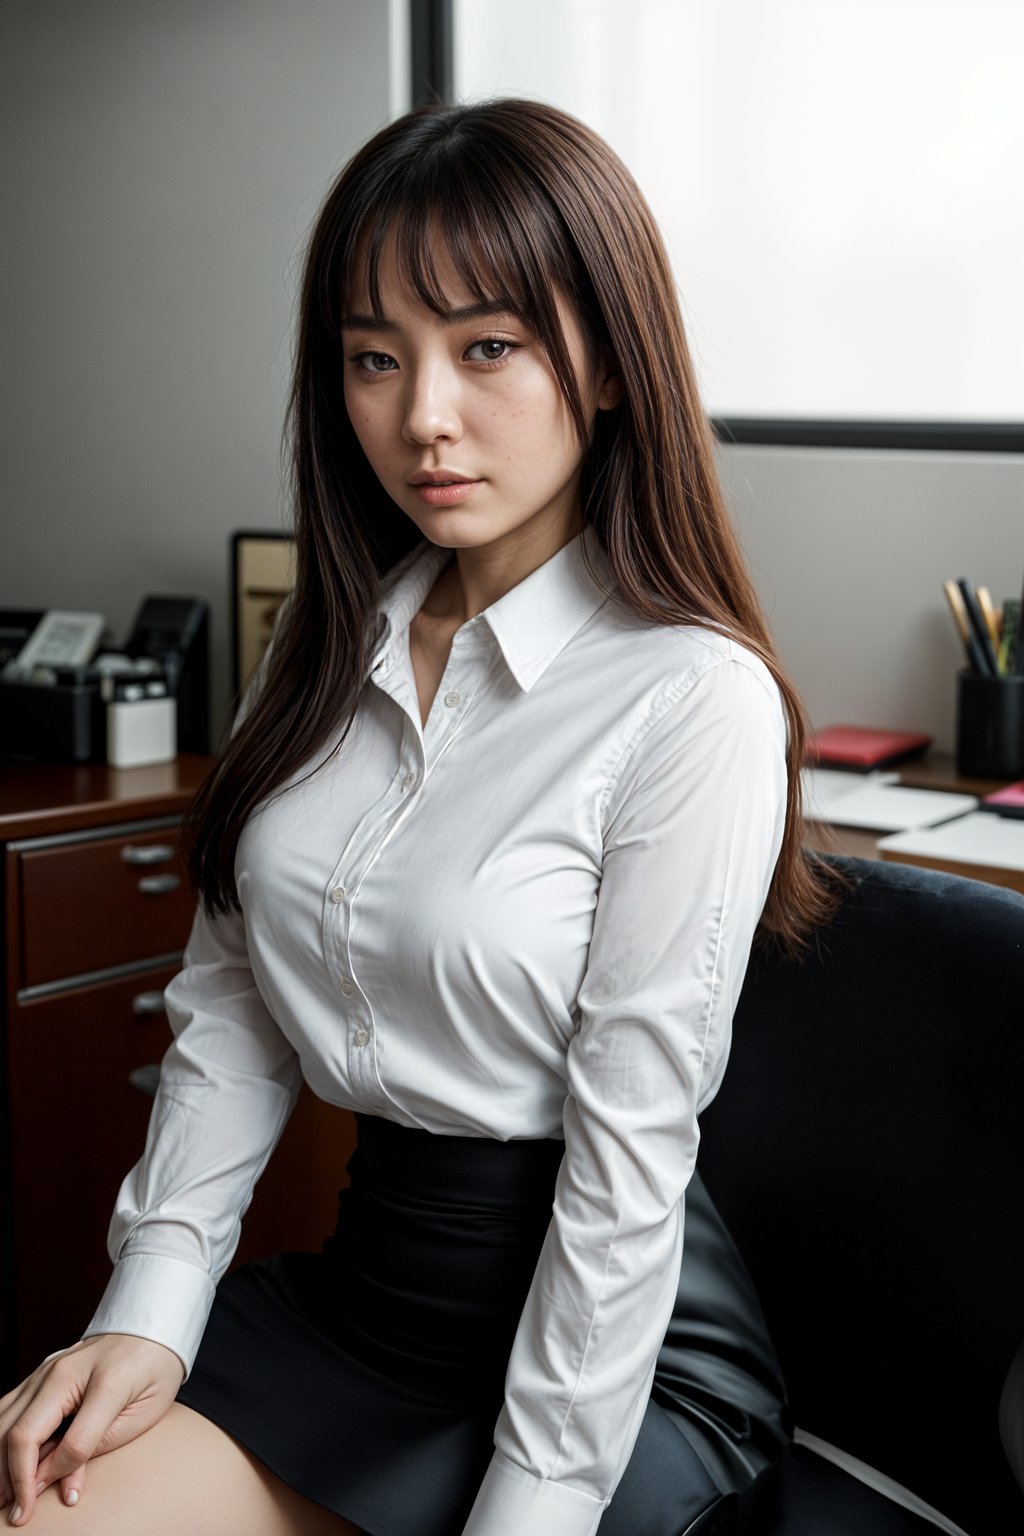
(228, 1083)
(694, 824)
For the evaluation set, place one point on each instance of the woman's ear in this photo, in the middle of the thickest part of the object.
(611, 390)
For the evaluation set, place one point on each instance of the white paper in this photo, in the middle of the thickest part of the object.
(979, 838)
(824, 786)
(892, 807)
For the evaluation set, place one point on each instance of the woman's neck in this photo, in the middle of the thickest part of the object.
(476, 578)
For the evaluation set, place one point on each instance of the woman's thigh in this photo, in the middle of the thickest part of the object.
(184, 1474)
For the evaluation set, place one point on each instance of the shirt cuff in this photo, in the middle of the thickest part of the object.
(158, 1298)
(511, 1501)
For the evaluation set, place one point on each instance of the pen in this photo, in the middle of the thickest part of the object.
(991, 624)
(1011, 629)
(979, 627)
(1017, 663)
(959, 612)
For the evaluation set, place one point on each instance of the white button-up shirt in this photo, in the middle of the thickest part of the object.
(530, 918)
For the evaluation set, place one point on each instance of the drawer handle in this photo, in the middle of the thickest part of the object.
(148, 1002)
(154, 853)
(146, 1079)
(155, 885)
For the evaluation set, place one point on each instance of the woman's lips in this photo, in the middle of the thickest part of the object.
(445, 495)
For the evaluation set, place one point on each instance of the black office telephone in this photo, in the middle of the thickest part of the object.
(176, 632)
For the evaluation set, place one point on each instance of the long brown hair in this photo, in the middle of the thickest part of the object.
(528, 198)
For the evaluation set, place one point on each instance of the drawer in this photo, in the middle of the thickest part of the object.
(91, 904)
(78, 1123)
(81, 1066)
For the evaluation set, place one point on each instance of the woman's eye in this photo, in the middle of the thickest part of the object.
(365, 358)
(495, 350)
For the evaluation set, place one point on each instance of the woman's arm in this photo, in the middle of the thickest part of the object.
(694, 824)
(228, 1083)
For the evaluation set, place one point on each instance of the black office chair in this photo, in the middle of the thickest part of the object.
(866, 1151)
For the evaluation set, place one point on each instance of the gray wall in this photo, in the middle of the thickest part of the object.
(162, 162)
(849, 550)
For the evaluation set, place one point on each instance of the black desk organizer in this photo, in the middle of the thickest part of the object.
(56, 723)
(66, 722)
(989, 726)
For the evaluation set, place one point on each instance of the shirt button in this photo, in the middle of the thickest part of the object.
(347, 988)
(338, 894)
(361, 1038)
(451, 699)
(409, 780)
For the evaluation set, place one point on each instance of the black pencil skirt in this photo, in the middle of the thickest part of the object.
(369, 1375)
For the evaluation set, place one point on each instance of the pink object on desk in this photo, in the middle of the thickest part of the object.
(1008, 801)
(863, 747)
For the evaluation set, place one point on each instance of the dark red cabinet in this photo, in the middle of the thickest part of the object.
(96, 914)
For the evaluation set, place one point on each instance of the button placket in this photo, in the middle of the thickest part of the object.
(469, 661)
(341, 910)
(468, 667)
(337, 915)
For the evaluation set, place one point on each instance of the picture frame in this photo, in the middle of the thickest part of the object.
(262, 575)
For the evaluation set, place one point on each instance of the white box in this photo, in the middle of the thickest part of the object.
(142, 731)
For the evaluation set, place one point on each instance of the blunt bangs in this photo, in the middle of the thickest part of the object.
(497, 227)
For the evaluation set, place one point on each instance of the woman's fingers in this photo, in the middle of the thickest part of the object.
(35, 1428)
(12, 1405)
(81, 1402)
(22, 1459)
(6, 1486)
(72, 1486)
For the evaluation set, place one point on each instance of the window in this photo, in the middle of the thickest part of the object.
(839, 184)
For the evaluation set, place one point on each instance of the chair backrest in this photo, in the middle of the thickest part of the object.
(866, 1150)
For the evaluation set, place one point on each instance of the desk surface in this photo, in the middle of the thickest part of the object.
(936, 770)
(39, 799)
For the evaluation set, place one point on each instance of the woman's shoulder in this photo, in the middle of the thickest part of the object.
(670, 659)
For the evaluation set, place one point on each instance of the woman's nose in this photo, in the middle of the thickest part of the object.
(431, 409)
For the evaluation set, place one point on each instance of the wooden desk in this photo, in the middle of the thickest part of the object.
(96, 913)
(857, 841)
(937, 771)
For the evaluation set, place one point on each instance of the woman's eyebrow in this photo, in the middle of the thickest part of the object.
(484, 311)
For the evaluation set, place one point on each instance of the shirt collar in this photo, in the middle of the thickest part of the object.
(532, 622)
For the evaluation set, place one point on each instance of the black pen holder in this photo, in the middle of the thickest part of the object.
(989, 726)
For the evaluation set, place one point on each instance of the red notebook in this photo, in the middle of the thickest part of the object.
(1005, 802)
(862, 747)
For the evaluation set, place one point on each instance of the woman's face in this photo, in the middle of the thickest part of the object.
(474, 396)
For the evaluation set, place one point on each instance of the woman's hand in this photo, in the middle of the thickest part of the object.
(112, 1387)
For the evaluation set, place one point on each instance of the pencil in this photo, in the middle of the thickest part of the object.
(960, 619)
(989, 614)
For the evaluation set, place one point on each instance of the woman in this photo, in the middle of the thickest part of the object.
(483, 861)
